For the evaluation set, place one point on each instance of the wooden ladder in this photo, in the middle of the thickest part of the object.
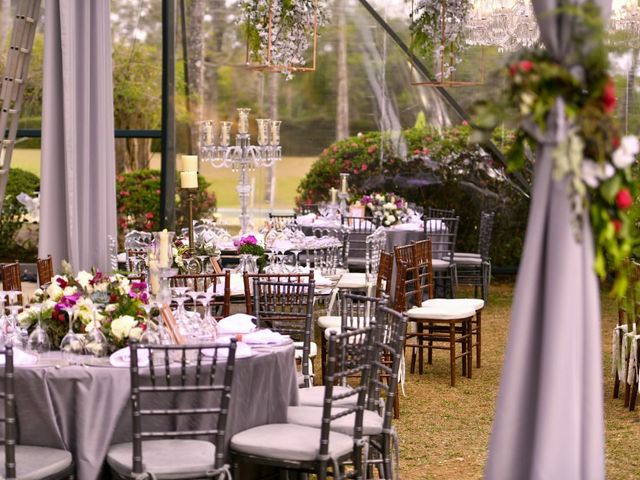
(12, 83)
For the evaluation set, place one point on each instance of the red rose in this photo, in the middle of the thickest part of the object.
(148, 225)
(617, 225)
(364, 167)
(149, 216)
(513, 69)
(416, 151)
(525, 65)
(608, 98)
(624, 199)
(465, 123)
(615, 143)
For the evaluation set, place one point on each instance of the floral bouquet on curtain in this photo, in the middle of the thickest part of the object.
(116, 302)
(594, 158)
(389, 208)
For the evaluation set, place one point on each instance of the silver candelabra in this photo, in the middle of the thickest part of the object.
(216, 149)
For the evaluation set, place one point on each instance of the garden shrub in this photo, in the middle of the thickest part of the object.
(13, 218)
(138, 201)
(439, 169)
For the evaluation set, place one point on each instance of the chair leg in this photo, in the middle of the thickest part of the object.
(616, 387)
(469, 357)
(430, 343)
(634, 396)
(452, 353)
(396, 406)
(420, 348)
(323, 358)
(478, 338)
(463, 347)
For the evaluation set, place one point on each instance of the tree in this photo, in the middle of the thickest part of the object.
(195, 66)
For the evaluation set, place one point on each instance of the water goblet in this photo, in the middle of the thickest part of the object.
(39, 341)
(210, 324)
(151, 335)
(71, 344)
(97, 345)
(13, 335)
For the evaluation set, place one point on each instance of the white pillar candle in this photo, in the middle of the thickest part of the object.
(207, 132)
(275, 132)
(243, 120)
(163, 249)
(343, 184)
(334, 195)
(225, 133)
(189, 163)
(189, 179)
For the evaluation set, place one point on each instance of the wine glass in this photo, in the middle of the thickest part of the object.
(39, 341)
(13, 335)
(97, 345)
(71, 343)
(3, 316)
(210, 324)
(149, 336)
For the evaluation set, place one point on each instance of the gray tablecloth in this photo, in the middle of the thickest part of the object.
(86, 409)
(402, 237)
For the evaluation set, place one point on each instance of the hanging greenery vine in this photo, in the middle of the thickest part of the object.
(280, 32)
(438, 32)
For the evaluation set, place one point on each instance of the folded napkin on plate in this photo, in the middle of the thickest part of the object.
(305, 220)
(236, 323)
(408, 226)
(21, 358)
(122, 357)
(265, 337)
(242, 349)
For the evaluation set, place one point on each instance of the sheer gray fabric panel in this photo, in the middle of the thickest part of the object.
(549, 415)
(78, 211)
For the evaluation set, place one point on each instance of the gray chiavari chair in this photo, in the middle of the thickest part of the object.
(323, 450)
(217, 283)
(280, 222)
(360, 228)
(26, 461)
(169, 397)
(443, 233)
(287, 308)
(475, 268)
(440, 212)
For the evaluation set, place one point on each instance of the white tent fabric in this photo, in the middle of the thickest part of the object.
(78, 200)
(549, 415)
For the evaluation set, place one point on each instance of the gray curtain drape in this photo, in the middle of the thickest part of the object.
(549, 415)
(78, 201)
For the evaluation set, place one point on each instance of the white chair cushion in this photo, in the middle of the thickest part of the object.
(329, 321)
(457, 255)
(283, 441)
(440, 265)
(440, 313)
(475, 303)
(166, 459)
(35, 463)
(312, 417)
(468, 261)
(352, 280)
(314, 396)
(313, 350)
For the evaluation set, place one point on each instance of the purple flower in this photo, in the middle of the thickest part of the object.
(248, 240)
(67, 301)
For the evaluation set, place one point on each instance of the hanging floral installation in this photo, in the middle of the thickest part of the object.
(593, 158)
(438, 32)
(280, 33)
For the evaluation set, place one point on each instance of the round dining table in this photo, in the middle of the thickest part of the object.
(85, 408)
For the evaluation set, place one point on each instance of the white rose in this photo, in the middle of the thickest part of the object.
(100, 287)
(54, 291)
(135, 333)
(83, 278)
(621, 158)
(49, 304)
(69, 291)
(391, 219)
(630, 144)
(38, 292)
(25, 319)
(121, 326)
(593, 173)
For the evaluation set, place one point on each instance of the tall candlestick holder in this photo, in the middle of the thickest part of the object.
(191, 195)
(343, 203)
(216, 149)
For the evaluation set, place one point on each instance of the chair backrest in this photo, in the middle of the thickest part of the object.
(385, 274)
(360, 228)
(374, 245)
(342, 233)
(8, 397)
(414, 275)
(218, 283)
(201, 384)
(357, 311)
(248, 279)
(440, 212)
(136, 260)
(308, 208)
(391, 327)
(350, 354)
(443, 233)
(484, 234)
(11, 277)
(286, 308)
(45, 270)
(280, 222)
(325, 259)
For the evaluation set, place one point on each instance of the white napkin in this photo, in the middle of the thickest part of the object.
(434, 225)
(265, 337)
(306, 220)
(326, 222)
(122, 358)
(226, 245)
(282, 245)
(321, 280)
(236, 323)
(21, 358)
(242, 349)
(237, 284)
(417, 227)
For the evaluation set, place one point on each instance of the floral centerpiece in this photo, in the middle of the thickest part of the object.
(389, 208)
(594, 159)
(249, 245)
(182, 253)
(116, 301)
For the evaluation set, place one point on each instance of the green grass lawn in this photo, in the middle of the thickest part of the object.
(289, 172)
